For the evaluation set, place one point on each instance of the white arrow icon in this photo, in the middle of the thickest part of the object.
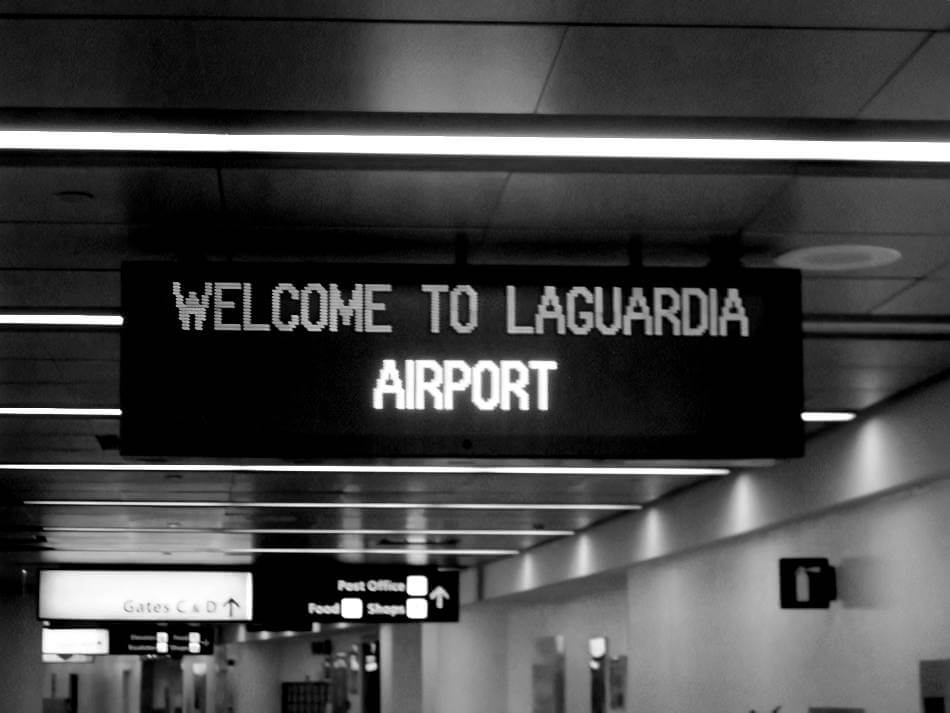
(439, 595)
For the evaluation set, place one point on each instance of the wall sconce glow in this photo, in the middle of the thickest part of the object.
(631, 147)
(828, 416)
(61, 320)
(56, 411)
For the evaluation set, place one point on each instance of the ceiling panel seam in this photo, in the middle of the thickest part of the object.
(896, 73)
(766, 205)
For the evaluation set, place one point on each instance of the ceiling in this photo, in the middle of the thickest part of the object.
(68, 221)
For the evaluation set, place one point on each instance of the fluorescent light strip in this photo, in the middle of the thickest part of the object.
(305, 531)
(828, 416)
(327, 506)
(61, 320)
(656, 147)
(366, 551)
(411, 469)
(47, 411)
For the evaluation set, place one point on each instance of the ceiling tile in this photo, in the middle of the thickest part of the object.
(362, 198)
(844, 399)
(52, 395)
(929, 356)
(75, 289)
(922, 14)
(880, 379)
(722, 72)
(633, 201)
(846, 296)
(925, 298)
(86, 246)
(918, 14)
(867, 206)
(59, 344)
(920, 91)
(425, 10)
(274, 66)
(117, 194)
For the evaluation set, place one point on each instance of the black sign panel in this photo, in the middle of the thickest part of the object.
(161, 639)
(293, 360)
(381, 595)
(807, 583)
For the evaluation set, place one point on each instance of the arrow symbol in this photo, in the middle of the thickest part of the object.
(439, 595)
(230, 604)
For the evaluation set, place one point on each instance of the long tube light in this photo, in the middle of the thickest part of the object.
(356, 468)
(394, 144)
(309, 531)
(329, 505)
(59, 411)
(61, 320)
(828, 416)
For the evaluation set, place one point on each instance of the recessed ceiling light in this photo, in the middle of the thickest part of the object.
(74, 196)
(838, 258)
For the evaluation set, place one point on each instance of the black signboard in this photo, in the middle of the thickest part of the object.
(294, 598)
(298, 360)
(161, 639)
(806, 583)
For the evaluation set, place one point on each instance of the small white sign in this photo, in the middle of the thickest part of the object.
(76, 641)
(351, 608)
(417, 608)
(417, 585)
(126, 595)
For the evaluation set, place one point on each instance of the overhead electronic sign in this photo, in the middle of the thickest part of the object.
(154, 595)
(383, 595)
(304, 360)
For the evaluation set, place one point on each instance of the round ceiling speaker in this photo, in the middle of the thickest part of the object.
(838, 258)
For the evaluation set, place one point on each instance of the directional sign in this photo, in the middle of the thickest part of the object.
(75, 641)
(137, 595)
(161, 640)
(370, 594)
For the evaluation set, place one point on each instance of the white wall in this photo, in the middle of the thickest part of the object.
(100, 683)
(904, 445)
(708, 635)
(253, 683)
(464, 665)
(21, 668)
(598, 613)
